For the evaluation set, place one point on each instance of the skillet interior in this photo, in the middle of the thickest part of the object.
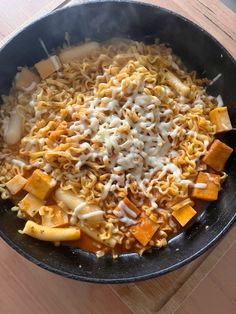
(101, 21)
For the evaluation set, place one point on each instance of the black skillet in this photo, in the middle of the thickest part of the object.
(102, 20)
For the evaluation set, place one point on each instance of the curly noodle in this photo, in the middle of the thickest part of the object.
(112, 125)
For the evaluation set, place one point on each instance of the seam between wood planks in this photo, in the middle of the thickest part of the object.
(230, 31)
(200, 273)
(206, 273)
(140, 300)
(200, 259)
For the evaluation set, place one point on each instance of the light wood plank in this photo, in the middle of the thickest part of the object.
(212, 294)
(151, 295)
(202, 272)
(26, 288)
(16, 14)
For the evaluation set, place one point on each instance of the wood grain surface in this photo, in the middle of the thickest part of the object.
(26, 288)
(216, 292)
(15, 14)
(207, 285)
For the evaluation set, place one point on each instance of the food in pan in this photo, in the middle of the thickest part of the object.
(110, 146)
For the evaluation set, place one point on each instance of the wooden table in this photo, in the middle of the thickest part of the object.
(207, 285)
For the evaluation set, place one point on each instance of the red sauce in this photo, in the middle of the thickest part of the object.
(86, 243)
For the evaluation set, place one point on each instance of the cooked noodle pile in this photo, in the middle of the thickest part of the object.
(126, 121)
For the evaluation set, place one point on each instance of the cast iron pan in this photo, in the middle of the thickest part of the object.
(100, 21)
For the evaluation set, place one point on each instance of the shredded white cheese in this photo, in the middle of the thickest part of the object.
(200, 185)
(220, 102)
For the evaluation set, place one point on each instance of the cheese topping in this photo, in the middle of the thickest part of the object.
(120, 128)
